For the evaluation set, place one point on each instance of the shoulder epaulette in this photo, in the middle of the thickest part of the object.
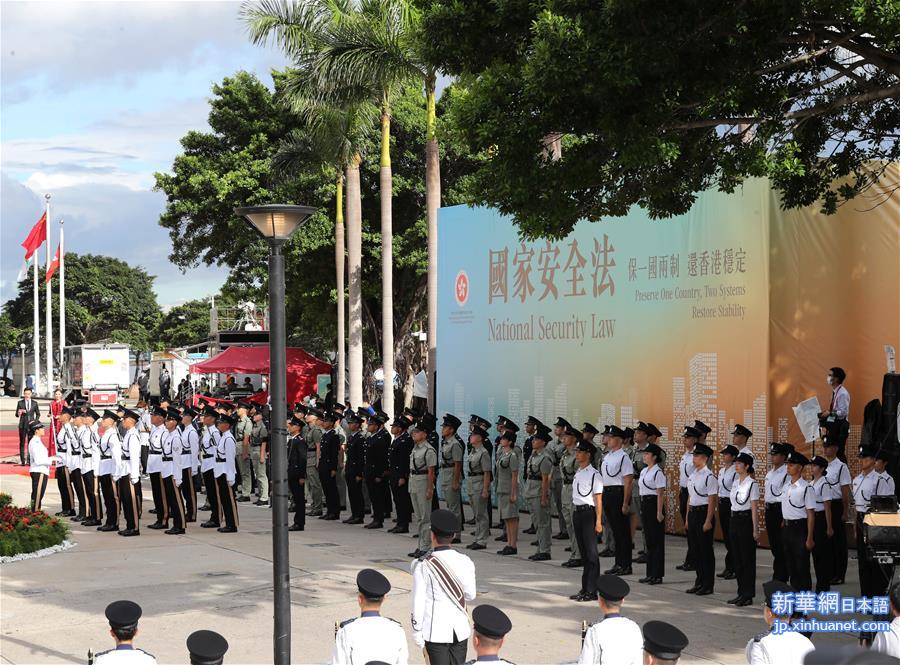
(757, 638)
(146, 652)
(394, 620)
(345, 622)
(103, 653)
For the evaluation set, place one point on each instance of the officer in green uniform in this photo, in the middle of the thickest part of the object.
(537, 491)
(312, 434)
(478, 486)
(555, 449)
(452, 451)
(508, 465)
(422, 467)
(567, 468)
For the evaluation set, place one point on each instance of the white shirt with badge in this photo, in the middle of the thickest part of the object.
(797, 498)
(614, 640)
(616, 465)
(685, 469)
(776, 479)
(727, 477)
(110, 452)
(651, 479)
(370, 637)
(822, 493)
(771, 649)
(885, 486)
(154, 460)
(838, 476)
(435, 616)
(701, 486)
(888, 642)
(864, 487)
(124, 655)
(586, 483)
(743, 494)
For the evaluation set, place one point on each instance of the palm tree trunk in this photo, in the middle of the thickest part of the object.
(339, 263)
(387, 259)
(354, 270)
(432, 203)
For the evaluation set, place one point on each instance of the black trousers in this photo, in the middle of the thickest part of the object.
(145, 455)
(159, 498)
(584, 520)
(355, 496)
(839, 540)
(774, 533)
(376, 496)
(871, 580)
(23, 443)
(704, 554)
(796, 555)
(655, 535)
(682, 509)
(743, 547)
(92, 495)
(296, 488)
(212, 496)
(189, 495)
(129, 494)
(78, 487)
(226, 498)
(38, 487)
(330, 490)
(725, 521)
(620, 524)
(402, 502)
(64, 484)
(823, 553)
(446, 653)
(110, 499)
(174, 502)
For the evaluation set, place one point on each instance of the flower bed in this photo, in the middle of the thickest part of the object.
(23, 530)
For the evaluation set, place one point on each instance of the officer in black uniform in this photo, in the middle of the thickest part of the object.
(296, 471)
(531, 426)
(355, 467)
(376, 468)
(398, 463)
(329, 451)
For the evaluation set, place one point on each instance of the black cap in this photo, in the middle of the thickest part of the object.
(561, 422)
(300, 407)
(444, 522)
(664, 640)
(590, 429)
(240, 404)
(68, 410)
(612, 587)
(818, 460)
(372, 584)
(189, 411)
(867, 451)
(586, 447)
(797, 458)
(702, 449)
(90, 413)
(451, 421)
(629, 433)
(313, 411)
(654, 430)
(225, 418)
(206, 647)
(884, 455)
(112, 415)
(123, 613)
(352, 417)
(701, 426)
(729, 450)
(776, 448)
(615, 430)
(480, 431)
(654, 449)
(740, 430)
(210, 411)
(378, 418)
(691, 432)
(337, 407)
(329, 417)
(568, 430)
(297, 422)
(745, 458)
(773, 586)
(511, 426)
(534, 421)
(34, 426)
(134, 415)
(542, 433)
(428, 421)
(173, 414)
(158, 411)
(490, 622)
(508, 435)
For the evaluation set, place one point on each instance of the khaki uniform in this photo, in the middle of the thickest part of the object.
(452, 451)
(422, 457)
(567, 468)
(315, 496)
(539, 464)
(243, 428)
(258, 434)
(507, 465)
(478, 464)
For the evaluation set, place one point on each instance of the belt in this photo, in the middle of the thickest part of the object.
(648, 497)
(795, 522)
(610, 488)
(773, 504)
(741, 513)
(205, 456)
(127, 458)
(61, 449)
(422, 473)
(166, 459)
(154, 452)
(105, 456)
(697, 507)
(221, 460)
(567, 482)
(582, 508)
(480, 473)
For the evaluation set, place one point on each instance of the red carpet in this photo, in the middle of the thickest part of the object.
(9, 453)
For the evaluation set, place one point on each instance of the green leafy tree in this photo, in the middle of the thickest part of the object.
(10, 338)
(656, 102)
(183, 325)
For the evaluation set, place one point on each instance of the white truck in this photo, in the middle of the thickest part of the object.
(100, 370)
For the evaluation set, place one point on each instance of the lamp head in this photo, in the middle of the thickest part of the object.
(274, 221)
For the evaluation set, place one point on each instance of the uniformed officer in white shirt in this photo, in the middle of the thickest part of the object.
(128, 475)
(209, 439)
(587, 521)
(703, 494)
(685, 469)
(190, 463)
(90, 463)
(663, 643)
(776, 479)
(171, 471)
(370, 636)
(865, 486)
(888, 642)
(123, 616)
(73, 461)
(740, 439)
(63, 479)
(726, 478)
(490, 628)
(744, 532)
(652, 487)
(614, 639)
(443, 582)
(770, 648)
(617, 473)
(110, 458)
(154, 468)
(838, 476)
(225, 470)
(798, 505)
(823, 552)
(885, 485)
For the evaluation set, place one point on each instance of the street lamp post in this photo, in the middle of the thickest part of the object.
(276, 223)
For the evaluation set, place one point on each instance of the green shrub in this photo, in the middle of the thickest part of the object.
(5, 499)
(23, 530)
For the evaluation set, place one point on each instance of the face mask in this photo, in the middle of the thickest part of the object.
(828, 380)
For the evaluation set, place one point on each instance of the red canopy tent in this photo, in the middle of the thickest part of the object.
(302, 368)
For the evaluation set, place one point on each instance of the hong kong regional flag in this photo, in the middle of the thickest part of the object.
(36, 238)
(54, 264)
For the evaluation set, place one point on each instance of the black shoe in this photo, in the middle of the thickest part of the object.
(837, 580)
(729, 575)
(91, 523)
(295, 527)
(471, 521)
(655, 580)
(456, 541)
(242, 499)
(704, 592)
(625, 571)
(209, 525)
(205, 506)
(331, 518)
(734, 600)
(743, 602)
(534, 543)
(576, 596)
(108, 527)
(227, 529)
(393, 529)
(174, 532)
(61, 513)
(356, 520)
(130, 532)
(644, 580)
(152, 511)
(562, 535)
(568, 549)
(476, 546)
(722, 574)
(530, 530)
(615, 570)
(70, 513)
(158, 525)
(415, 555)
(402, 529)
(78, 518)
(640, 559)
(686, 566)
(605, 554)
(573, 563)
(347, 521)
(315, 513)
(375, 525)
(501, 538)
(587, 597)
(506, 551)
(693, 589)
(543, 556)
(322, 516)
(260, 503)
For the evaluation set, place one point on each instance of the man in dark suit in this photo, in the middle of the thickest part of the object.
(27, 410)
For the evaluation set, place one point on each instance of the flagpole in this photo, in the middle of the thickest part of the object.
(62, 302)
(49, 312)
(36, 337)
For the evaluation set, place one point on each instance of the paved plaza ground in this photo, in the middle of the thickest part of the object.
(52, 607)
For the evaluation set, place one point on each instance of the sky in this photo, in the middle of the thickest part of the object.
(94, 97)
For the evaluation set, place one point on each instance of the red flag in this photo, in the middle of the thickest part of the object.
(37, 237)
(54, 264)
